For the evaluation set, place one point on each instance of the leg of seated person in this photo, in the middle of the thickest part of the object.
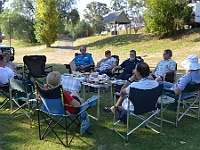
(118, 103)
(77, 95)
(73, 66)
(121, 76)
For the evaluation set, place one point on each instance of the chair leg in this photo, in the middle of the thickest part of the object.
(177, 113)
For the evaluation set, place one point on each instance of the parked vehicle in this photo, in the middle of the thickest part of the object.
(7, 49)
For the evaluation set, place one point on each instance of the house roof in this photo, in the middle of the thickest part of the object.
(117, 17)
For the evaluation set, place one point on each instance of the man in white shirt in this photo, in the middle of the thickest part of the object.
(141, 73)
(167, 65)
(5, 72)
(107, 64)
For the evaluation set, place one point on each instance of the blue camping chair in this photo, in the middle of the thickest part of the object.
(183, 107)
(144, 101)
(54, 115)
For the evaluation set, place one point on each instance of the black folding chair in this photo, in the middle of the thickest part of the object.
(35, 68)
(144, 102)
(53, 115)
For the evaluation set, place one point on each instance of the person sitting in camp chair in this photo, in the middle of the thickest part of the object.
(53, 80)
(5, 72)
(192, 76)
(141, 74)
(82, 62)
(107, 64)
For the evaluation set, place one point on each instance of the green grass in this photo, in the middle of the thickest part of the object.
(16, 133)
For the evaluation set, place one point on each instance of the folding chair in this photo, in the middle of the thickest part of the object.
(189, 106)
(35, 68)
(22, 95)
(4, 91)
(171, 76)
(53, 114)
(144, 102)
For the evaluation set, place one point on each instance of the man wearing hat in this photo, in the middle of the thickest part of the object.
(107, 64)
(192, 76)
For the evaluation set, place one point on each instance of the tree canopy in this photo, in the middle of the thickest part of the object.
(166, 17)
(46, 25)
(95, 13)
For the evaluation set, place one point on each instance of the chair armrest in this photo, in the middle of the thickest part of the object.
(67, 66)
(50, 68)
(122, 95)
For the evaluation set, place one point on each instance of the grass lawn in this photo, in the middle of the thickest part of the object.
(16, 134)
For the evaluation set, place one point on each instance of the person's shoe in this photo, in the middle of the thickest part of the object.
(108, 110)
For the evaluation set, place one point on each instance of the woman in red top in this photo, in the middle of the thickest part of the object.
(53, 80)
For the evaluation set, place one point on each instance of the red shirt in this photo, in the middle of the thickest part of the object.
(67, 100)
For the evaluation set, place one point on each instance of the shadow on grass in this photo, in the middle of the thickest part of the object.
(119, 40)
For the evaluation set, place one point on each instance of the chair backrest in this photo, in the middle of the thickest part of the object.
(145, 100)
(191, 88)
(116, 57)
(9, 50)
(52, 99)
(20, 85)
(35, 64)
(171, 77)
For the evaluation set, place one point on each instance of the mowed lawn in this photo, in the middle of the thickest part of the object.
(16, 133)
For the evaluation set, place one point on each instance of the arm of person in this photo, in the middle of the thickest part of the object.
(126, 86)
(181, 84)
(116, 68)
(99, 63)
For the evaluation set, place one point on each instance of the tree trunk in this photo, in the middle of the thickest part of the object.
(48, 45)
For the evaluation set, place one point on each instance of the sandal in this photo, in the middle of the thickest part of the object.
(108, 110)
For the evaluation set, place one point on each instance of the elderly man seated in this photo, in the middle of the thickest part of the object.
(192, 76)
(167, 65)
(5, 72)
(82, 62)
(141, 73)
(12, 65)
(128, 65)
(107, 64)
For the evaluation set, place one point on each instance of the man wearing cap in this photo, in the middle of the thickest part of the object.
(192, 76)
(167, 65)
(107, 64)
(128, 65)
(82, 62)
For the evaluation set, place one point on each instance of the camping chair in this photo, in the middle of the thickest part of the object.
(53, 114)
(21, 94)
(189, 107)
(35, 68)
(170, 77)
(69, 68)
(4, 91)
(144, 101)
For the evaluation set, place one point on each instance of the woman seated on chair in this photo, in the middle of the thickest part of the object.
(5, 72)
(53, 80)
(192, 76)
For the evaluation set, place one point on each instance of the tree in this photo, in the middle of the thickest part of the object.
(46, 25)
(95, 13)
(135, 13)
(166, 17)
(117, 5)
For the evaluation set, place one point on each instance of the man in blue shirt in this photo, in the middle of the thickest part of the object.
(82, 62)
(128, 65)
